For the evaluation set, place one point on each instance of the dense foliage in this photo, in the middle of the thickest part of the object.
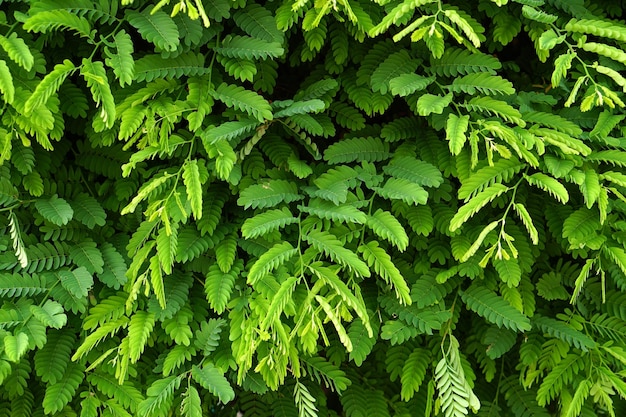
(296, 208)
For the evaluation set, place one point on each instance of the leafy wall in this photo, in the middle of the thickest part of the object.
(297, 208)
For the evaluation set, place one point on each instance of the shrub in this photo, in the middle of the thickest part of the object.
(331, 208)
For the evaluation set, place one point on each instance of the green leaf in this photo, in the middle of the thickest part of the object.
(114, 269)
(277, 305)
(154, 67)
(7, 89)
(146, 189)
(269, 194)
(270, 260)
(401, 189)
(191, 405)
(159, 395)
(213, 379)
(58, 395)
(523, 214)
(456, 61)
(493, 107)
(385, 225)
(267, 222)
(327, 243)
(407, 84)
(604, 28)
(246, 47)
(562, 64)
(479, 240)
(381, 262)
(494, 308)
(51, 362)
(139, 330)
(561, 374)
(193, 185)
(590, 187)
(508, 270)
(314, 105)
(55, 210)
(157, 28)
(456, 128)
(257, 21)
(540, 16)
(429, 103)
(484, 83)
(51, 314)
(229, 130)
(357, 149)
(18, 285)
(88, 211)
(419, 172)
(77, 282)
(121, 61)
(470, 27)
(548, 184)
(414, 372)
(87, 255)
(304, 401)
(617, 255)
(476, 203)
(580, 226)
(17, 50)
(396, 64)
(49, 85)
(503, 170)
(49, 20)
(328, 210)
(245, 100)
(96, 77)
(15, 346)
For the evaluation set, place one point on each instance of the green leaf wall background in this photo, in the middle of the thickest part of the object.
(312, 208)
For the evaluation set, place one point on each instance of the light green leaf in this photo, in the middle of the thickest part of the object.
(121, 61)
(49, 85)
(474, 205)
(523, 214)
(548, 184)
(213, 379)
(50, 20)
(15, 346)
(96, 77)
(193, 184)
(381, 262)
(387, 226)
(139, 330)
(430, 103)
(191, 405)
(456, 128)
(270, 260)
(6, 84)
(18, 50)
(406, 84)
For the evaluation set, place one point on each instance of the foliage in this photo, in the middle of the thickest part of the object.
(297, 208)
